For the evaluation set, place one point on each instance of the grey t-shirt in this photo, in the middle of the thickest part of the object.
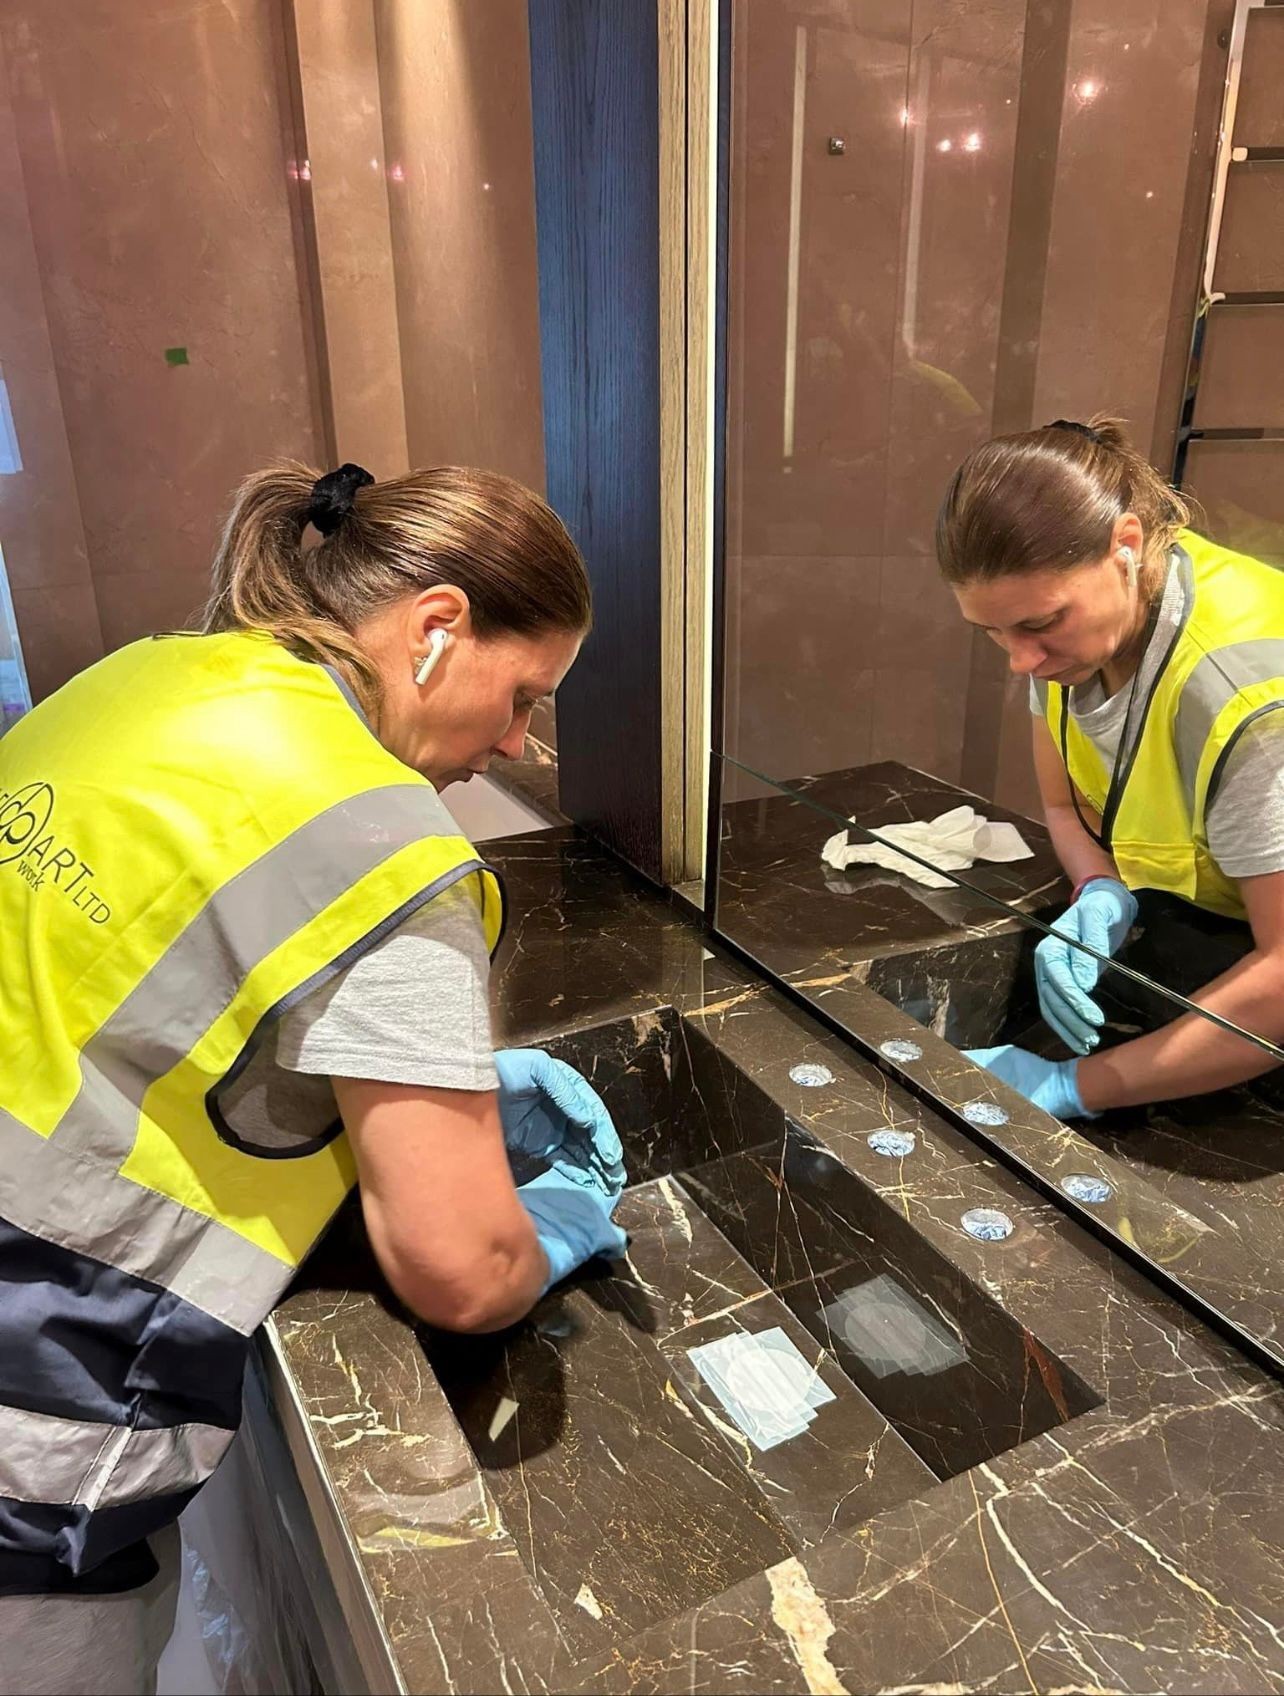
(413, 1010)
(1245, 823)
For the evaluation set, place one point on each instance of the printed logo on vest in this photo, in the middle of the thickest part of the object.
(30, 847)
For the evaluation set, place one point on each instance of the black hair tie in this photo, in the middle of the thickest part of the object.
(333, 495)
(1079, 429)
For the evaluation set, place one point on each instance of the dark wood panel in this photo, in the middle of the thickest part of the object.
(594, 86)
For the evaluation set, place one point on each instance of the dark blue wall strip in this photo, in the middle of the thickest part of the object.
(594, 97)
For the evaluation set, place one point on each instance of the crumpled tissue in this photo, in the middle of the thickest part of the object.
(953, 842)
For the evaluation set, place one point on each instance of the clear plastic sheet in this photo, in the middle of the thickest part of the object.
(244, 1560)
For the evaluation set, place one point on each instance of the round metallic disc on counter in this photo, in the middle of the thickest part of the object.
(895, 1144)
(1083, 1186)
(987, 1224)
(811, 1075)
(900, 1049)
(983, 1113)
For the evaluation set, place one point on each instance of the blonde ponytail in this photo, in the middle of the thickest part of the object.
(487, 534)
(264, 580)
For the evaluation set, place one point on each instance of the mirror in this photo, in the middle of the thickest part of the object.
(931, 213)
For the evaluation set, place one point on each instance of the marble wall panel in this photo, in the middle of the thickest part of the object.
(154, 164)
(41, 533)
(962, 103)
(1132, 76)
(455, 89)
(233, 232)
(814, 264)
(903, 326)
(807, 656)
(60, 633)
(349, 178)
(838, 661)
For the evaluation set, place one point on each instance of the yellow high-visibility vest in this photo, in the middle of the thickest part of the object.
(1224, 669)
(194, 834)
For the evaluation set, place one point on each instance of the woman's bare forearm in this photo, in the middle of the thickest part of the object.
(1192, 1055)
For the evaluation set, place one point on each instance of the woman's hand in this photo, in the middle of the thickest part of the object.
(572, 1218)
(1050, 1084)
(551, 1114)
(459, 1243)
(1102, 917)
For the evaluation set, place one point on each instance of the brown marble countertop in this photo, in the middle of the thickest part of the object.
(775, 892)
(1198, 1185)
(1036, 1471)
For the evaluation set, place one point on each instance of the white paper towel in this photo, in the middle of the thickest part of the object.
(953, 841)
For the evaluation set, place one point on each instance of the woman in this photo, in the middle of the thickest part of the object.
(238, 923)
(1156, 661)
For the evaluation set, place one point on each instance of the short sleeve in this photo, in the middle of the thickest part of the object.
(1245, 824)
(413, 1010)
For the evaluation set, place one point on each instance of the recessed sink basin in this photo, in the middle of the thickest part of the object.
(632, 1488)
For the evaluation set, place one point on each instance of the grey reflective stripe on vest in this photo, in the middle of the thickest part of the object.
(202, 970)
(1211, 686)
(73, 1462)
(66, 1188)
(342, 685)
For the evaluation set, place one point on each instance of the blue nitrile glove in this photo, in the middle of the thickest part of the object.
(1050, 1084)
(1102, 917)
(549, 1112)
(572, 1219)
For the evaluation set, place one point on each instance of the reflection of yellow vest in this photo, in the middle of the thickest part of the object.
(1223, 670)
(194, 834)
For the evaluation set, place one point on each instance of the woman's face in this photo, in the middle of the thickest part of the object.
(478, 701)
(1057, 626)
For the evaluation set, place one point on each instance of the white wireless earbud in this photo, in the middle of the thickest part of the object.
(428, 664)
(1130, 560)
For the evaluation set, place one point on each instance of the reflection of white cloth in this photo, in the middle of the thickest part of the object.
(953, 842)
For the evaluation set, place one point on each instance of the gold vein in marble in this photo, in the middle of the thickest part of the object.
(805, 1621)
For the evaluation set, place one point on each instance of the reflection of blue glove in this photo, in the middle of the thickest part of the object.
(572, 1219)
(1050, 1084)
(551, 1114)
(1102, 917)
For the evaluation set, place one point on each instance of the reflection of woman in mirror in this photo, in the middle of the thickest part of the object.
(1156, 665)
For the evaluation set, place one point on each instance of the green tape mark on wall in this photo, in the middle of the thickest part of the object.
(176, 356)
